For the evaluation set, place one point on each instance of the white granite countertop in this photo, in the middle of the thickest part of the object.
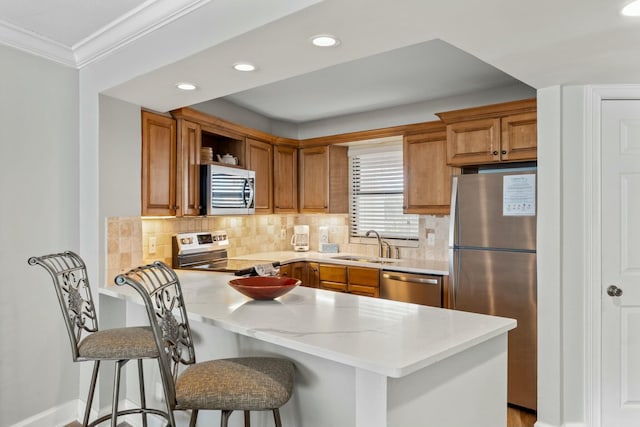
(386, 337)
(408, 265)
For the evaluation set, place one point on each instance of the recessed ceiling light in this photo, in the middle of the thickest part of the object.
(325, 40)
(632, 9)
(186, 86)
(244, 66)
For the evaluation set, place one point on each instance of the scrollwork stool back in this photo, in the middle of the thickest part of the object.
(88, 343)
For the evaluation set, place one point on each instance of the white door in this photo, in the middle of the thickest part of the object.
(620, 263)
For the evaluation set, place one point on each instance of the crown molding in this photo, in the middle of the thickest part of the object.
(21, 39)
(137, 23)
(144, 19)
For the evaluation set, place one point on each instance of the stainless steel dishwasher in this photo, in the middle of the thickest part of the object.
(422, 289)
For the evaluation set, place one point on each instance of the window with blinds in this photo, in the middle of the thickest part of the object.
(377, 193)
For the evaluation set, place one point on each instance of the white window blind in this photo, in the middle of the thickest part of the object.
(377, 194)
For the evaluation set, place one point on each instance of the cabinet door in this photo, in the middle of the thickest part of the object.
(313, 275)
(285, 179)
(473, 142)
(188, 171)
(364, 281)
(314, 179)
(338, 179)
(259, 158)
(286, 270)
(299, 271)
(427, 177)
(520, 137)
(159, 164)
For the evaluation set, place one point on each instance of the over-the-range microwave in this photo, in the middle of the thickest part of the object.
(227, 190)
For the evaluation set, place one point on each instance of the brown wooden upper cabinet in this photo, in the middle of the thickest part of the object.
(324, 179)
(496, 133)
(259, 158)
(188, 171)
(170, 166)
(159, 164)
(285, 179)
(427, 177)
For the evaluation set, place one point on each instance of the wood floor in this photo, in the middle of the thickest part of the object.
(517, 417)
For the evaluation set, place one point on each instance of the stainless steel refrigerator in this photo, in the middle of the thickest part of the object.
(493, 264)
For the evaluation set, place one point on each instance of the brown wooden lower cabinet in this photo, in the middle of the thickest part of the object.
(364, 281)
(306, 272)
(313, 274)
(334, 277)
(354, 280)
(349, 279)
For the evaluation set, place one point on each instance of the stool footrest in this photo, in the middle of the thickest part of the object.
(130, 412)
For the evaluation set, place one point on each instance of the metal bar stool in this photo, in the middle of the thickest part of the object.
(242, 383)
(121, 345)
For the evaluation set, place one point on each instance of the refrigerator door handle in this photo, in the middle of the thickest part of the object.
(452, 221)
(454, 208)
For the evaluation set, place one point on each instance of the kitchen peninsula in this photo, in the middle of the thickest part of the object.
(360, 361)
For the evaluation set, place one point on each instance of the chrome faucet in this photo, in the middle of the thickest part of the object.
(379, 241)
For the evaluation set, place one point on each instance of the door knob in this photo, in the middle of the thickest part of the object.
(614, 291)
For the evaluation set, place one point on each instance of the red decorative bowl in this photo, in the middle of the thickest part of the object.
(264, 287)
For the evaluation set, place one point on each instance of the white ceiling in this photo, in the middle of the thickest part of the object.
(67, 22)
(539, 42)
(418, 73)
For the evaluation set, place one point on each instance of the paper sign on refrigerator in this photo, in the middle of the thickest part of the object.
(519, 195)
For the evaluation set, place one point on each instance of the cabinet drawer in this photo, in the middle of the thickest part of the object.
(333, 286)
(333, 273)
(364, 276)
(369, 291)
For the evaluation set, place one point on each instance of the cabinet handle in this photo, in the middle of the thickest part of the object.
(504, 151)
(495, 153)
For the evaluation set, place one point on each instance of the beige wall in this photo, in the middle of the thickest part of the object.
(128, 237)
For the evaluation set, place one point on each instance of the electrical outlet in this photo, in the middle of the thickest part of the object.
(283, 233)
(431, 236)
(152, 245)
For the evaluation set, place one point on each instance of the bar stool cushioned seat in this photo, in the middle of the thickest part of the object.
(119, 343)
(242, 383)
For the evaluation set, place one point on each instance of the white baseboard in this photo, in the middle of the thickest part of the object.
(66, 413)
(56, 416)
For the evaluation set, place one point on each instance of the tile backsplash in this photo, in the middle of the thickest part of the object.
(128, 237)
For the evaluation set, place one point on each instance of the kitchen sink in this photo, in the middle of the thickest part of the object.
(357, 258)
